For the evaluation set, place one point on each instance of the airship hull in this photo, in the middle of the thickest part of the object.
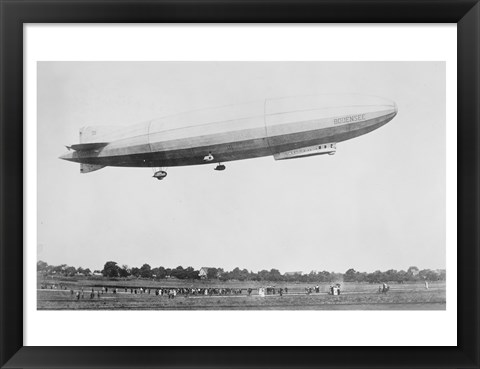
(265, 128)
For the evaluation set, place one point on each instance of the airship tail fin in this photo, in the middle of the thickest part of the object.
(87, 168)
(87, 146)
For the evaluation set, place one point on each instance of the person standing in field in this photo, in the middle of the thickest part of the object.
(426, 285)
(385, 288)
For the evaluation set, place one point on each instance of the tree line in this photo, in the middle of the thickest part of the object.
(111, 269)
(62, 269)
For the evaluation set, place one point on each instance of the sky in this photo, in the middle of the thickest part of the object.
(377, 204)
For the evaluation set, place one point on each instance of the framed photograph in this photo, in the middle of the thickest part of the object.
(269, 184)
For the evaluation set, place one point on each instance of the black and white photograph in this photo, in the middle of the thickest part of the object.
(249, 185)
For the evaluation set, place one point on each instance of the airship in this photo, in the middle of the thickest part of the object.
(285, 128)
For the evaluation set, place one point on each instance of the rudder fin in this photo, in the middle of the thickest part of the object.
(88, 146)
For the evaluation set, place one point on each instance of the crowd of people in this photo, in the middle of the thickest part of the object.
(383, 288)
(335, 289)
(53, 286)
(172, 292)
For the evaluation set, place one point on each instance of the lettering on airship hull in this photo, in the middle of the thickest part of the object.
(349, 119)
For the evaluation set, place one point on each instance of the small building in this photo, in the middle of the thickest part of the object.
(287, 274)
(203, 272)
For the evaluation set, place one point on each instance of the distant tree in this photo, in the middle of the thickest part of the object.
(41, 266)
(412, 273)
(235, 274)
(191, 273)
(391, 275)
(275, 275)
(70, 271)
(442, 275)
(49, 269)
(179, 272)
(59, 269)
(336, 277)
(361, 277)
(244, 275)
(303, 278)
(135, 272)
(212, 273)
(428, 275)
(87, 272)
(378, 276)
(146, 271)
(124, 271)
(264, 275)
(226, 276)
(161, 273)
(413, 270)
(313, 276)
(350, 275)
(323, 276)
(110, 269)
(402, 276)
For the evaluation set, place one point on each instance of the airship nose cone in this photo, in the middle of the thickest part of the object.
(381, 104)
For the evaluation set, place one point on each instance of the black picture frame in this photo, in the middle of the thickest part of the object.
(16, 13)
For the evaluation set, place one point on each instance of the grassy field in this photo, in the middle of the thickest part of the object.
(354, 296)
